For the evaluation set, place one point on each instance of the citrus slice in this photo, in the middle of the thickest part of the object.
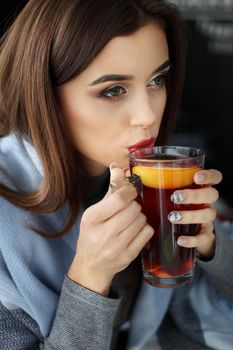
(165, 177)
(160, 273)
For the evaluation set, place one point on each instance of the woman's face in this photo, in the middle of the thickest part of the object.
(119, 100)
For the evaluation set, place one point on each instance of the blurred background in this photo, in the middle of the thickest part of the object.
(205, 118)
(8, 10)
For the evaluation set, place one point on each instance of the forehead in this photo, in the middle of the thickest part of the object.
(141, 51)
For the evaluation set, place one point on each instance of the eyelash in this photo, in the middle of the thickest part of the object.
(103, 94)
(164, 77)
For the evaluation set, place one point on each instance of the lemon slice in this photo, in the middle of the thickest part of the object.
(165, 177)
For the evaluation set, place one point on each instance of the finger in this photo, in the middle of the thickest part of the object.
(127, 172)
(201, 240)
(206, 195)
(136, 245)
(117, 177)
(211, 177)
(110, 205)
(200, 216)
(124, 218)
(133, 229)
(206, 228)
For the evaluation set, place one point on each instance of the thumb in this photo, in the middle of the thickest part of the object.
(117, 178)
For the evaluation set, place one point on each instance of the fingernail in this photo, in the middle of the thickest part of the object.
(182, 241)
(200, 177)
(113, 166)
(177, 197)
(127, 171)
(174, 217)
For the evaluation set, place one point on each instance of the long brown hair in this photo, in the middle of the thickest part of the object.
(50, 43)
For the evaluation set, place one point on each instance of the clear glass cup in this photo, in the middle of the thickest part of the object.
(157, 172)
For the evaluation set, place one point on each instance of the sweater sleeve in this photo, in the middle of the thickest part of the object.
(84, 320)
(220, 268)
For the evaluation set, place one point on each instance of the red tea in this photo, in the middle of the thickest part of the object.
(162, 257)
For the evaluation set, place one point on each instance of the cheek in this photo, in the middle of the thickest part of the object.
(163, 102)
(80, 119)
(88, 128)
(159, 103)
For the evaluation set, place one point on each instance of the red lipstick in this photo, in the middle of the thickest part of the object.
(143, 143)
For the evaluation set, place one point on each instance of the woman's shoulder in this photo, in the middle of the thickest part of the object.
(18, 172)
(20, 167)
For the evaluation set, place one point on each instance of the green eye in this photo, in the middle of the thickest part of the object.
(115, 91)
(160, 80)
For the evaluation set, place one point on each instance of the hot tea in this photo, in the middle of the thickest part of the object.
(164, 262)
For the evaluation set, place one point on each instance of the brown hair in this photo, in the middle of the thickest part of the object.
(49, 43)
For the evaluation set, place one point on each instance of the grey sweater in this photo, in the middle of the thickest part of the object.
(85, 320)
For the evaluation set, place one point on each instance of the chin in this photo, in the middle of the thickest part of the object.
(122, 161)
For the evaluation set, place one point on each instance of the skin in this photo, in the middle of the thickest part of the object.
(114, 230)
(102, 128)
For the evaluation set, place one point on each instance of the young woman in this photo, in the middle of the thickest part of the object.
(81, 83)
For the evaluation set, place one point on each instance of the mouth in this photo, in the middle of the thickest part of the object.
(142, 144)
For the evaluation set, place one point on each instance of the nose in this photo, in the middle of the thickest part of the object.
(143, 112)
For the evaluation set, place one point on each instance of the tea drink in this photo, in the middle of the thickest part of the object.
(164, 262)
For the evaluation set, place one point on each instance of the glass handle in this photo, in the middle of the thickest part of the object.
(136, 181)
(133, 179)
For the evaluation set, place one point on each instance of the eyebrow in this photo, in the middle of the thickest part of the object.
(122, 77)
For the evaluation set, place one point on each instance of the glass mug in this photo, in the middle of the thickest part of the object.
(157, 172)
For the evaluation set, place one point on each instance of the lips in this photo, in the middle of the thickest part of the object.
(141, 144)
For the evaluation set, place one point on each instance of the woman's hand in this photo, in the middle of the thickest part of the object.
(112, 234)
(204, 241)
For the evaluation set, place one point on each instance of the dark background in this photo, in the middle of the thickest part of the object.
(8, 10)
(205, 118)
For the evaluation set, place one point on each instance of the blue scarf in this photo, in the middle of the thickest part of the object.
(32, 268)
